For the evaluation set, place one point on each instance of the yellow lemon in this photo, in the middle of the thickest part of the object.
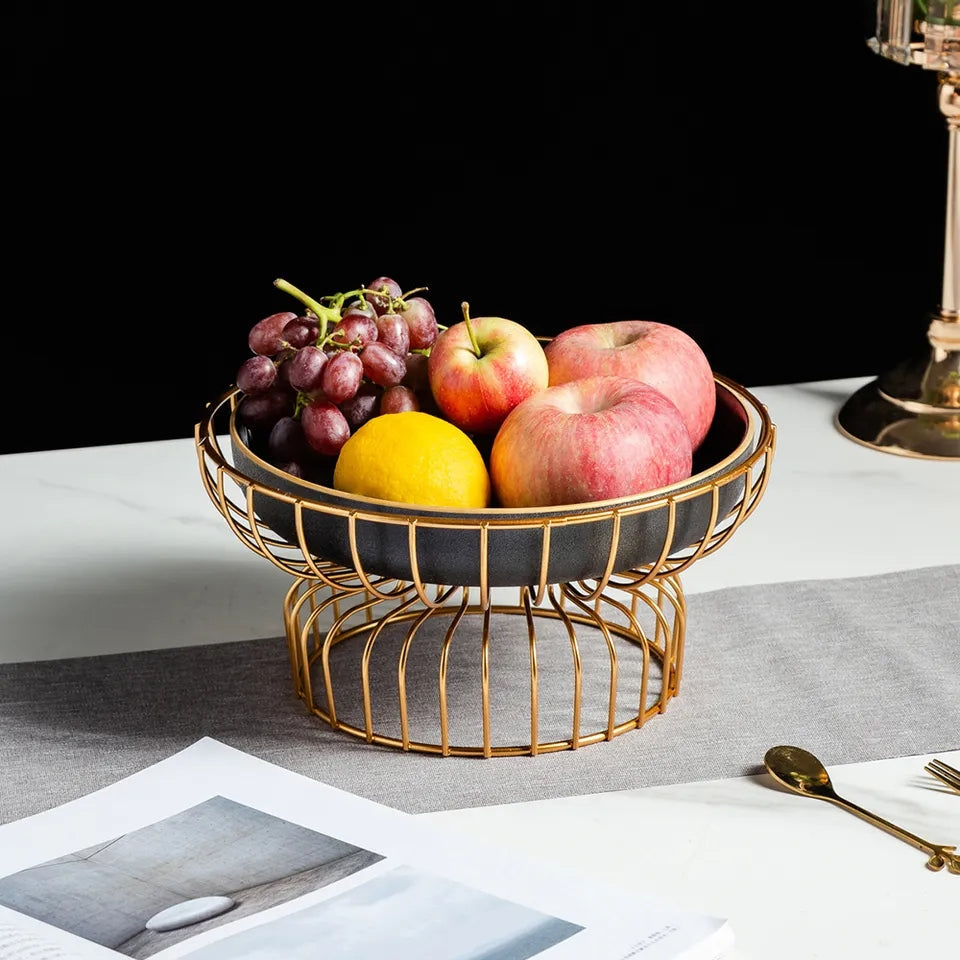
(413, 457)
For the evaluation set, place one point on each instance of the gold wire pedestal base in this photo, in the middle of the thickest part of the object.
(451, 677)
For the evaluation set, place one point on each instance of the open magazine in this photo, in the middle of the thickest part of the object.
(213, 854)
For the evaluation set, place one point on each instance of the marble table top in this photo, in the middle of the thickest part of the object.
(126, 542)
(796, 877)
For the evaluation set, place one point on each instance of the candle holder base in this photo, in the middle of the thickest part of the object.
(913, 409)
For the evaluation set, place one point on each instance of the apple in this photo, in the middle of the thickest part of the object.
(481, 368)
(657, 353)
(596, 438)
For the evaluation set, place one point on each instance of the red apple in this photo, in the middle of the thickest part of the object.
(481, 368)
(595, 438)
(657, 353)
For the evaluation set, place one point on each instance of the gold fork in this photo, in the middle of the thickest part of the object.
(944, 773)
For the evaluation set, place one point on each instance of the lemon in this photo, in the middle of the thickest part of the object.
(413, 457)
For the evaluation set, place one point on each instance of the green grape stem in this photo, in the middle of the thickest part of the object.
(324, 314)
(465, 307)
(331, 338)
(410, 293)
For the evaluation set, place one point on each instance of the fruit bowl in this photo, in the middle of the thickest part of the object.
(380, 589)
(496, 547)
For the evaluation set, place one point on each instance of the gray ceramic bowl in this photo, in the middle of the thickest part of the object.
(448, 541)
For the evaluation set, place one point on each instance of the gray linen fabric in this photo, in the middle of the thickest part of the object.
(852, 669)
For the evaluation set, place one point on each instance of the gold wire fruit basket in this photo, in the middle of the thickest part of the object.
(489, 632)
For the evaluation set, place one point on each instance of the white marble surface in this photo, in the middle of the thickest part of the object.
(111, 549)
(798, 878)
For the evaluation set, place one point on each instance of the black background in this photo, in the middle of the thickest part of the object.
(763, 181)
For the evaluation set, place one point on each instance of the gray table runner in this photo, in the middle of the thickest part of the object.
(852, 669)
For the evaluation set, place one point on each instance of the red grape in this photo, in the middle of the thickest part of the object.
(381, 365)
(262, 411)
(283, 375)
(342, 375)
(363, 405)
(300, 331)
(355, 329)
(287, 442)
(397, 399)
(393, 331)
(256, 375)
(417, 377)
(361, 308)
(306, 369)
(265, 335)
(387, 290)
(422, 322)
(325, 428)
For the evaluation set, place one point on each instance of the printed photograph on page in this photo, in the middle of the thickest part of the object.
(180, 886)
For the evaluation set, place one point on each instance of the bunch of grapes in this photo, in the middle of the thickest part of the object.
(316, 376)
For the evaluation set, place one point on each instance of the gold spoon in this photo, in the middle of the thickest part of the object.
(803, 773)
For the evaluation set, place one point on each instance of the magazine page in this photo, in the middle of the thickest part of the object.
(213, 854)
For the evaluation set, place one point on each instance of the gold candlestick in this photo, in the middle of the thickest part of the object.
(914, 409)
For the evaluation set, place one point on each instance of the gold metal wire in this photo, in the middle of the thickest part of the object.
(623, 619)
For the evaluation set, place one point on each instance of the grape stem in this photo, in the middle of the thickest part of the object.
(465, 307)
(324, 314)
(410, 293)
(340, 344)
